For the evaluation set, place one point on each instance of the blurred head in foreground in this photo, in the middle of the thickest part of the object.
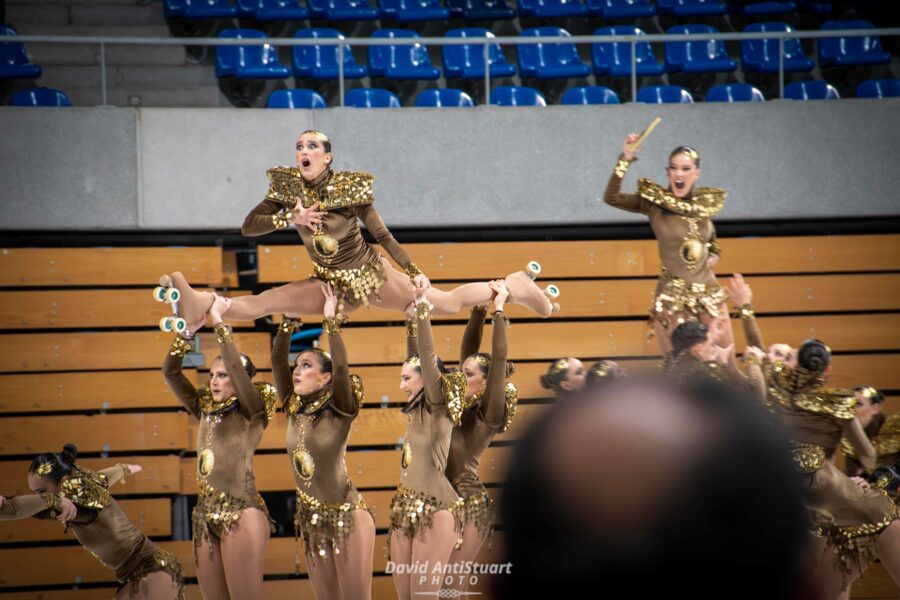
(647, 488)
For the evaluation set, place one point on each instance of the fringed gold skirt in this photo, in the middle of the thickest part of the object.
(413, 511)
(479, 509)
(676, 301)
(354, 286)
(321, 525)
(157, 560)
(217, 512)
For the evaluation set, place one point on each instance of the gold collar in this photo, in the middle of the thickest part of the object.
(704, 202)
(343, 189)
(87, 489)
(799, 389)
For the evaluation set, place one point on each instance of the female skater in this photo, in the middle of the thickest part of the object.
(321, 399)
(80, 497)
(326, 207)
(230, 521)
(565, 377)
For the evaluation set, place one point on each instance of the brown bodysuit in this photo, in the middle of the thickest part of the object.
(846, 515)
(685, 236)
(355, 269)
(101, 526)
(229, 432)
(317, 434)
(424, 488)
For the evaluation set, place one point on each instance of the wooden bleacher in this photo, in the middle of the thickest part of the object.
(83, 354)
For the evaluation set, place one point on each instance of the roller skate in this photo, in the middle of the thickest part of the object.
(188, 312)
(524, 291)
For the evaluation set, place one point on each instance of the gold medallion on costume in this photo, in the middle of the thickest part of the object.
(304, 464)
(324, 245)
(406, 455)
(691, 250)
(207, 462)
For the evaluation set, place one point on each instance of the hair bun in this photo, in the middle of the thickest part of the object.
(510, 368)
(69, 454)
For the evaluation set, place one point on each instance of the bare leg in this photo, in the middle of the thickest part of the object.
(823, 570)
(354, 563)
(244, 553)
(401, 554)
(433, 545)
(300, 297)
(157, 585)
(472, 543)
(323, 576)
(211, 571)
(888, 545)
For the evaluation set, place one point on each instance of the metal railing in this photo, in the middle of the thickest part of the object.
(485, 42)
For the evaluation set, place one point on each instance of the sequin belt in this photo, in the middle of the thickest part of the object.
(479, 509)
(354, 286)
(676, 299)
(159, 560)
(320, 523)
(217, 512)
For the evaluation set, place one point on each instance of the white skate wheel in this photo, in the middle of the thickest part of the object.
(552, 291)
(165, 324)
(165, 281)
(172, 295)
(159, 294)
(534, 267)
(180, 325)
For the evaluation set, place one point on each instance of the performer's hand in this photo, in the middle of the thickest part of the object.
(310, 217)
(722, 355)
(2, 500)
(68, 511)
(422, 297)
(134, 469)
(754, 351)
(861, 483)
(738, 291)
(219, 307)
(498, 286)
(330, 309)
(629, 152)
(712, 260)
(420, 284)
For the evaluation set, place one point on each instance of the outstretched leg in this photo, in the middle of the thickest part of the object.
(300, 298)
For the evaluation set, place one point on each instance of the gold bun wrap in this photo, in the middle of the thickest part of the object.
(453, 387)
(511, 393)
(704, 203)
(561, 365)
(86, 488)
(44, 469)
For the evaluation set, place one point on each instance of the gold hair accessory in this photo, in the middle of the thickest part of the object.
(561, 364)
(44, 469)
(245, 361)
(483, 361)
(414, 361)
(869, 392)
(318, 134)
(691, 153)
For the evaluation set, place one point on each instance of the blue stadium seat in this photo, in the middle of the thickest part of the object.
(879, 88)
(851, 51)
(550, 61)
(621, 9)
(691, 8)
(41, 97)
(810, 90)
(248, 62)
(551, 9)
(665, 94)
(14, 61)
(816, 8)
(321, 62)
(758, 9)
(510, 95)
(295, 99)
(272, 10)
(614, 58)
(407, 11)
(343, 10)
(173, 8)
(590, 94)
(444, 98)
(697, 57)
(400, 62)
(734, 92)
(467, 61)
(481, 10)
(762, 55)
(371, 98)
(209, 9)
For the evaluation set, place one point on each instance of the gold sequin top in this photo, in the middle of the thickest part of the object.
(319, 426)
(675, 223)
(230, 430)
(423, 460)
(99, 524)
(884, 433)
(346, 198)
(481, 422)
(811, 413)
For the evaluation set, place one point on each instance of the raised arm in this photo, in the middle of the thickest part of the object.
(471, 341)
(430, 372)
(613, 194)
(741, 296)
(180, 385)
(39, 506)
(493, 407)
(372, 220)
(120, 471)
(281, 350)
(865, 451)
(344, 400)
(251, 402)
(412, 335)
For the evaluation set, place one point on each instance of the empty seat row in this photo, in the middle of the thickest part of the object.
(543, 61)
(430, 10)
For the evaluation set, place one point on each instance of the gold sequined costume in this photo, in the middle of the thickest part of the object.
(424, 488)
(884, 433)
(846, 515)
(339, 253)
(102, 527)
(230, 430)
(686, 237)
(317, 433)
